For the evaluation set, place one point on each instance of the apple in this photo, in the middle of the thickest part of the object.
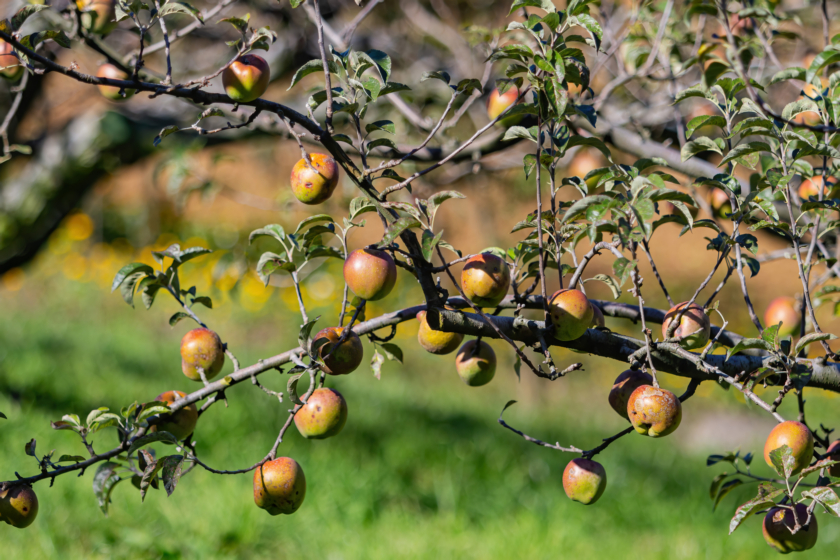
(653, 411)
(778, 524)
(112, 92)
(485, 279)
(783, 310)
(315, 182)
(370, 273)
(180, 423)
(833, 453)
(497, 103)
(12, 68)
(476, 366)
(624, 385)
(811, 187)
(279, 486)
(98, 15)
(571, 314)
(795, 435)
(694, 328)
(323, 415)
(202, 348)
(437, 342)
(584, 161)
(720, 203)
(584, 481)
(346, 358)
(18, 506)
(246, 79)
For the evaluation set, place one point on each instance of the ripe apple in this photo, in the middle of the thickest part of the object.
(436, 342)
(18, 506)
(584, 481)
(624, 385)
(315, 183)
(497, 103)
(279, 486)
(485, 279)
(12, 68)
(795, 435)
(180, 423)
(694, 328)
(247, 78)
(653, 411)
(98, 15)
(112, 92)
(780, 521)
(783, 310)
(811, 187)
(370, 273)
(583, 162)
(834, 454)
(476, 367)
(202, 348)
(346, 358)
(571, 314)
(323, 415)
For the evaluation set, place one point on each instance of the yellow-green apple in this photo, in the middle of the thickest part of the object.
(323, 415)
(485, 279)
(436, 342)
(370, 273)
(624, 385)
(497, 103)
(347, 356)
(720, 203)
(783, 310)
(12, 69)
(180, 423)
(584, 480)
(653, 411)
(112, 92)
(571, 314)
(279, 486)
(778, 524)
(98, 15)
(314, 182)
(476, 366)
(18, 506)
(795, 435)
(694, 327)
(247, 78)
(202, 348)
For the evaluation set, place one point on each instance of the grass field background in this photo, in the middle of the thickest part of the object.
(421, 470)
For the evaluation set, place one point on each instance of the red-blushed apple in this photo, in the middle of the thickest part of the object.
(795, 435)
(811, 187)
(720, 203)
(202, 348)
(18, 506)
(112, 92)
(497, 103)
(436, 342)
(485, 279)
(653, 411)
(783, 310)
(98, 16)
(624, 385)
(246, 79)
(584, 480)
(279, 486)
(323, 415)
(346, 358)
(370, 273)
(583, 162)
(180, 423)
(778, 524)
(833, 453)
(12, 69)
(476, 366)
(694, 328)
(313, 183)
(571, 314)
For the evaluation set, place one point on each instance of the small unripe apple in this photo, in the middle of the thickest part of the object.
(694, 328)
(247, 78)
(98, 15)
(584, 480)
(180, 423)
(12, 67)
(346, 358)
(795, 435)
(834, 454)
(315, 182)
(571, 314)
(597, 317)
(624, 385)
(653, 411)
(323, 415)
(497, 103)
(777, 526)
(436, 342)
(18, 506)
(112, 92)
(279, 486)
(202, 348)
(476, 367)
(783, 310)
(370, 273)
(485, 279)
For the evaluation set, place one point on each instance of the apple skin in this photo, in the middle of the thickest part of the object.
(202, 348)
(795, 435)
(485, 279)
(571, 314)
(323, 415)
(720, 203)
(348, 356)
(436, 342)
(98, 15)
(624, 385)
(182, 422)
(279, 486)
(111, 92)
(653, 411)
(497, 103)
(776, 528)
(693, 320)
(18, 506)
(246, 79)
(8, 59)
(315, 184)
(476, 370)
(584, 481)
(370, 273)
(811, 187)
(783, 310)
(583, 162)
(834, 453)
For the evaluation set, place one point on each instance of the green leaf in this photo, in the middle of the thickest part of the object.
(393, 87)
(809, 338)
(704, 120)
(716, 482)
(436, 200)
(23, 14)
(385, 126)
(725, 489)
(149, 475)
(305, 333)
(396, 228)
(702, 144)
(436, 75)
(799, 106)
(104, 480)
(829, 56)
(392, 351)
(794, 73)
(515, 132)
(583, 205)
(825, 497)
(763, 501)
(589, 141)
(546, 5)
(783, 460)
(177, 317)
(273, 230)
(360, 205)
(745, 149)
(128, 270)
(312, 220)
(291, 388)
(180, 7)
(609, 281)
(770, 334)
(152, 408)
(74, 458)
(311, 67)
(165, 437)
(749, 343)
(171, 472)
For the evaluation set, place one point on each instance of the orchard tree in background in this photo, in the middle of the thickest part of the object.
(771, 157)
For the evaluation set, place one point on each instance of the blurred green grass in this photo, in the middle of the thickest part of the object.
(422, 469)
